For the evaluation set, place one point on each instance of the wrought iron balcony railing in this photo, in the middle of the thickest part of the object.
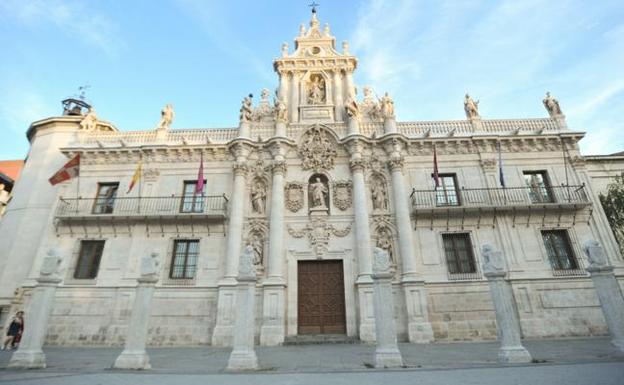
(166, 207)
(513, 197)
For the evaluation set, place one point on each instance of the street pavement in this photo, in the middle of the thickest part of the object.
(566, 361)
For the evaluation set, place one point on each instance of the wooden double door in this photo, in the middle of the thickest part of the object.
(321, 298)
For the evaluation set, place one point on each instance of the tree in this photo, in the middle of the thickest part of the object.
(613, 205)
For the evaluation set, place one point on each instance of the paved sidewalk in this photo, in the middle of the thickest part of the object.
(294, 364)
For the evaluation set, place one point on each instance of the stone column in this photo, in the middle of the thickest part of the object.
(362, 244)
(293, 103)
(507, 322)
(29, 355)
(222, 335)
(243, 356)
(387, 354)
(350, 85)
(134, 355)
(338, 103)
(418, 326)
(608, 290)
(273, 309)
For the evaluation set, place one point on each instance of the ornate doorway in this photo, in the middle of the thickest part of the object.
(321, 297)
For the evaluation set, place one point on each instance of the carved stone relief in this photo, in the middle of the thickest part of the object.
(318, 232)
(316, 150)
(385, 242)
(316, 89)
(379, 193)
(258, 196)
(343, 194)
(294, 196)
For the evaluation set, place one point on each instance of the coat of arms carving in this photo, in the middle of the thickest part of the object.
(342, 194)
(316, 150)
(294, 196)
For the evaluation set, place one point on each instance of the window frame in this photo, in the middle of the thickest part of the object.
(558, 266)
(545, 193)
(96, 255)
(443, 192)
(185, 265)
(457, 262)
(197, 202)
(106, 202)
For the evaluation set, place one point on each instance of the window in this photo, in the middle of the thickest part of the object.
(89, 259)
(184, 261)
(539, 188)
(446, 194)
(105, 200)
(559, 250)
(191, 202)
(459, 256)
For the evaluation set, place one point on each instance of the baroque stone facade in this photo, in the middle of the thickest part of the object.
(305, 188)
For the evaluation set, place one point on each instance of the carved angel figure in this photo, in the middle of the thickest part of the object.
(552, 105)
(166, 117)
(89, 122)
(471, 107)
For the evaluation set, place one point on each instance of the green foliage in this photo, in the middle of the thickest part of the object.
(613, 204)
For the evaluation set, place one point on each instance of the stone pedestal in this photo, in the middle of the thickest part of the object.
(319, 211)
(611, 301)
(280, 128)
(243, 356)
(419, 328)
(353, 126)
(507, 323)
(244, 129)
(226, 313)
(134, 355)
(390, 126)
(29, 355)
(387, 354)
(366, 308)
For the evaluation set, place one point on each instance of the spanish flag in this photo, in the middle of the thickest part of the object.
(136, 176)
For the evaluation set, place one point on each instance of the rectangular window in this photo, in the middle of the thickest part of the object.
(459, 256)
(538, 186)
(446, 194)
(105, 199)
(559, 250)
(191, 201)
(184, 260)
(89, 259)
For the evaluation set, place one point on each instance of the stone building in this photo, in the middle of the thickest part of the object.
(312, 179)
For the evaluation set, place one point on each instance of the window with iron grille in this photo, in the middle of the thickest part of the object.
(458, 251)
(184, 259)
(191, 201)
(89, 259)
(559, 250)
(105, 199)
(538, 186)
(446, 194)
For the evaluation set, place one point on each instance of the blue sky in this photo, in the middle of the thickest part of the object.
(204, 56)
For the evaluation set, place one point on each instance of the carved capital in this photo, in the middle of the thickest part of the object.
(279, 167)
(357, 165)
(240, 168)
(396, 163)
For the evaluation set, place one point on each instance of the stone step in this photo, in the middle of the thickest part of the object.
(318, 339)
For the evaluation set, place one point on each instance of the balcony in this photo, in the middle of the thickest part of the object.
(517, 200)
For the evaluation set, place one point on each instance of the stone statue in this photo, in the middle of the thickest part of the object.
(285, 49)
(280, 109)
(258, 197)
(150, 265)
(595, 253)
(471, 107)
(166, 118)
(319, 192)
(51, 265)
(302, 30)
(381, 260)
(492, 259)
(552, 105)
(326, 32)
(369, 105)
(264, 106)
(387, 106)
(345, 47)
(384, 241)
(258, 248)
(316, 92)
(352, 108)
(378, 193)
(246, 111)
(246, 266)
(89, 122)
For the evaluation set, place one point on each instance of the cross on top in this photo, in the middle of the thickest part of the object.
(82, 90)
(313, 5)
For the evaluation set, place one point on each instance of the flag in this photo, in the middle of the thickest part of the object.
(501, 177)
(70, 170)
(136, 176)
(199, 186)
(436, 176)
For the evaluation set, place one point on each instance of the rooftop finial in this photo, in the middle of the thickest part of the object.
(313, 5)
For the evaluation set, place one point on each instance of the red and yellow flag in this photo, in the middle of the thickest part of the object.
(136, 177)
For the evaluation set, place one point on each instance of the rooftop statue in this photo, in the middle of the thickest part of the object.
(387, 106)
(264, 106)
(552, 105)
(471, 107)
(370, 106)
(246, 111)
(279, 109)
(89, 122)
(352, 108)
(166, 118)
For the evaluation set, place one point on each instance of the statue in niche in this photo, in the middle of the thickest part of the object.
(258, 197)
(384, 241)
(318, 193)
(387, 106)
(552, 105)
(381, 260)
(316, 90)
(279, 109)
(166, 117)
(89, 122)
(352, 108)
(379, 195)
(471, 107)
(246, 111)
(257, 244)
